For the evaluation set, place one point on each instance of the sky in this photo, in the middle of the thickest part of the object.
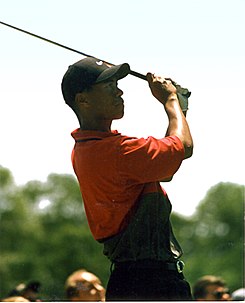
(198, 43)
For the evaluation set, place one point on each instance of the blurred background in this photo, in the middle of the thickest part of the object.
(45, 237)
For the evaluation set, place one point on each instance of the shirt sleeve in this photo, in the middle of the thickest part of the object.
(148, 160)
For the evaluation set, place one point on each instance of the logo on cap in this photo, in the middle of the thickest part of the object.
(99, 62)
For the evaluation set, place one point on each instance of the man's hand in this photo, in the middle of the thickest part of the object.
(165, 91)
(161, 88)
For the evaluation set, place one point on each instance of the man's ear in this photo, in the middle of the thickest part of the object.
(81, 99)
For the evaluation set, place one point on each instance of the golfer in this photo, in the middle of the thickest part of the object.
(119, 177)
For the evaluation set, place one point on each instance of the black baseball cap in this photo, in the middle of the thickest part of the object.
(87, 72)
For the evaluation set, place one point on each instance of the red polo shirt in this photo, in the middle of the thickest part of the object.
(115, 170)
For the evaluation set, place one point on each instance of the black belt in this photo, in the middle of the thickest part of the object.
(151, 264)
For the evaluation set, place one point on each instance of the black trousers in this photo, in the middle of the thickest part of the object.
(147, 284)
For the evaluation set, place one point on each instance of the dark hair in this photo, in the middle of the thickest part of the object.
(199, 288)
(71, 292)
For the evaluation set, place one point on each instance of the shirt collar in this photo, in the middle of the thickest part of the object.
(79, 134)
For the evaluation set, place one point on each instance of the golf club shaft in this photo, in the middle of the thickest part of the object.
(133, 73)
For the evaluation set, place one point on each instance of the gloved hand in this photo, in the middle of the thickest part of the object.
(183, 95)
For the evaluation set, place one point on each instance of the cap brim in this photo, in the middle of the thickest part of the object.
(117, 71)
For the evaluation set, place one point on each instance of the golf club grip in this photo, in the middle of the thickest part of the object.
(138, 75)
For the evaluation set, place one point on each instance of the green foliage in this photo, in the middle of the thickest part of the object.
(45, 236)
(213, 238)
(45, 243)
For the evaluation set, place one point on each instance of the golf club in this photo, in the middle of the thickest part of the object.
(133, 73)
(183, 93)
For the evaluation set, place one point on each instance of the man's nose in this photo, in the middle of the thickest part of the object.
(119, 92)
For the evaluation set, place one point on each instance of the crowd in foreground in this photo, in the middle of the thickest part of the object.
(85, 286)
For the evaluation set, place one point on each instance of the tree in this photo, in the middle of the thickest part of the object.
(45, 244)
(213, 238)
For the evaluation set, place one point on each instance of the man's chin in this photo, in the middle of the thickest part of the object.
(119, 117)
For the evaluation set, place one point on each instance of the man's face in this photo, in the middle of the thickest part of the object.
(105, 100)
(89, 288)
(217, 293)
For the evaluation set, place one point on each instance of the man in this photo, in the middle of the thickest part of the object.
(211, 288)
(82, 285)
(28, 291)
(238, 294)
(119, 178)
(15, 299)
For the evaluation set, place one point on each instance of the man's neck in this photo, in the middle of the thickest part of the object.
(103, 126)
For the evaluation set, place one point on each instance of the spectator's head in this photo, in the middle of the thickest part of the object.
(15, 299)
(29, 291)
(238, 295)
(211, 288)
(82, 285)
